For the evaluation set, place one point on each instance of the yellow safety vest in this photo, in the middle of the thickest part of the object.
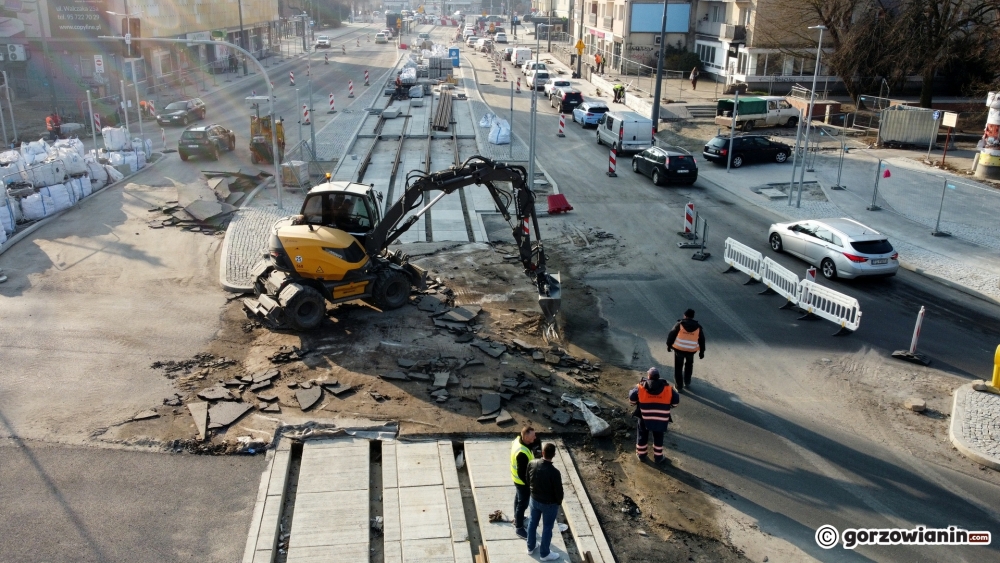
(516, 447)
(687, 341)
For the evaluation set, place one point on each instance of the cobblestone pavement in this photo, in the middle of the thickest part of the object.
(975, 425)
(246, 237)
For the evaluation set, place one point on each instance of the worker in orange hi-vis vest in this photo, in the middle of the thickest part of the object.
(686, 338)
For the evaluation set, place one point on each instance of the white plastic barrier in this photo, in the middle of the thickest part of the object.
(840, 309)
(743, 258)
(780, 280)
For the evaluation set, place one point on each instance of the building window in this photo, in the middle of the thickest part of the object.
(718, 14)
(741, 66)
(87, 66)
(706, 54)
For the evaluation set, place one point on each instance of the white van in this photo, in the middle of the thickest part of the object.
(625, 131)
(520, 56)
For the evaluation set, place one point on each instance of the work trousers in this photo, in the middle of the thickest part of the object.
(642, 441)
(546, 513)
(683, 365)
(521, 498)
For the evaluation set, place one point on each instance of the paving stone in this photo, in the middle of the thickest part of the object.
(308, 397)
(504, 418)
(232, 383)
(337, 388)
(215, 393)
(262, 385)
(404, 363)
(224, 413)
(441, 378)
(266, 375)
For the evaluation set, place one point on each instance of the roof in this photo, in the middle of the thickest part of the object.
(853, 229)
(199, 127)
(341, 186)
(671, 150)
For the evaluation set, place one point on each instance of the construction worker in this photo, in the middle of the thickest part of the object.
(54, 125)
(686, 338)
(399, 87)
(520, 455)
(652, 398)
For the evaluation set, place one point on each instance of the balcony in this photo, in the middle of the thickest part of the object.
(592, 20)
(708, 28)
(733, 32)
(608, 22)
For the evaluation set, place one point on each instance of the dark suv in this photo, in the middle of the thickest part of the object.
(566, 99)
(746, 148)
(205, 140)
(182, 113)
(666, 164)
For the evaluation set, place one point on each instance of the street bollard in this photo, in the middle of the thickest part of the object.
(701, 255)
(996, 369)
(911, 355)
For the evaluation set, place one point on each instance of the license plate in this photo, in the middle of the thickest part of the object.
(682, 171)
(878, 261)
(192, 146)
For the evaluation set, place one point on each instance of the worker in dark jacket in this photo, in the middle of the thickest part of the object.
(686, 338)
(520, 455)
(545, 483)
(652, 398)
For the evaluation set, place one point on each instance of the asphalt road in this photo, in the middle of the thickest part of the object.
(792, 447)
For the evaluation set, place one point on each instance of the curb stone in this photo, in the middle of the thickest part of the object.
(223, 262)
(42, 222)
(955, 430)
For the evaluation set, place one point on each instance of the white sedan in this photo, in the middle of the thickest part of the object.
(551, 85)
(538, 78)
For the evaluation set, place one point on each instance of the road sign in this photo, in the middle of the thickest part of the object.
(218, 35)
(950, 119)
(99, 63)
(579, 47)
(128, 38)
(937, 115)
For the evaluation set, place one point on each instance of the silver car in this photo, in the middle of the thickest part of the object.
(840, 248)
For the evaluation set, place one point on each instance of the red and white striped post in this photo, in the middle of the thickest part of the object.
(505, 74)
(350, 88)
(518, 84)
(366, 78)
(358, 42)
(291, 78)
(526, 227)
(688, 219)
(326, 59)
(612, 164)
(331, 110)
(97, 121)
(916, 330)
(562, 125)
(305, 115)
(163, 138)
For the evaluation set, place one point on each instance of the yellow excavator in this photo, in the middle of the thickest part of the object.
(337, 248)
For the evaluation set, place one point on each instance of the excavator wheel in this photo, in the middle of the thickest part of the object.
(305, 309)
(391, 289)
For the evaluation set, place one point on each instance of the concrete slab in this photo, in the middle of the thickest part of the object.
(423, 513)
(278, 473)
(588, 510)
(335, 518)
(456, 515)
(418, 464)
(393, 552)
(329, 553)
(516, 550)
(255, 521)
(463, 552)
(267, 536)
(266, 556)
(392, 530)
(199, 412)
(483, 471)
(449, 471)
(437, 550)
(333, 466)
(389, 478)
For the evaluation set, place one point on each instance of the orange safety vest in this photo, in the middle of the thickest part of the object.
(49, 123)
(687, 341)
(655, 407)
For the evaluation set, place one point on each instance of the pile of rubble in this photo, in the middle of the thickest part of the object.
(207, 208)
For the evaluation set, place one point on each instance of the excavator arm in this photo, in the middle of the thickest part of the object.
(516, 205)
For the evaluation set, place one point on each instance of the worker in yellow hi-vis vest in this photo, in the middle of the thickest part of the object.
(686, 338)
(521, 452)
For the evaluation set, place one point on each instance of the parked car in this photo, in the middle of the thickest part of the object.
(841, 248)
(589, 112)
(537, 79)
(205, 140)
(566, 99)
(556, 83)
(666, 165)
(508, 53)
(531, 66)
(520, 56)
(746, 148)
(763, 111)
(500, 37)
(182, 112)
(381, 38)
(625, 131)
(323, 42)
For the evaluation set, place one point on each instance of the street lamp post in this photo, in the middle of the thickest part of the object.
(534, 106)
(812, 100)
(659, 71)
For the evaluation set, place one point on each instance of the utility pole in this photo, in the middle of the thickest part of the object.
(659, 71)
(243, 42)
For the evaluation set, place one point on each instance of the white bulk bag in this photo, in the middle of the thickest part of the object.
(75, 144)
(98, 175)
(487, 120)
(140, 156)
(115, 138)
(72, 161)
(10, 213)
(149, 148)
(47, 173)
(3, 236)
(116, 158)
(132, 161)
(500, 132)
(37, 206)
(61, 196)
(113, 174)
(9, 157)
(13, 172)
(80, 186)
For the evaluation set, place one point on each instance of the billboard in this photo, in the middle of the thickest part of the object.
(648, 18)
(78, 19)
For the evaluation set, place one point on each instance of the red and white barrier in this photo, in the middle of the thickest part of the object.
(350, 88)
(562, 125)
(291, 78)
(526, 227)
(326, 59)
(366, 78)
(505, 74)
(305, 115)
(811, 274)
(518, 84)
(331, 110)
(163, 138)
(688, 218)
(613, 164)
(97, 121)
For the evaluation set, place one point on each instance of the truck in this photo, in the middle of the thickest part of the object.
(753, 111)
(393, 21)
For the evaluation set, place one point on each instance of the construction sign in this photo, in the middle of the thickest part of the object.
(579, 47)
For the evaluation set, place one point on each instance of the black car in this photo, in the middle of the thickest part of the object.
(666, 164)
(205, 140)
(566, 99)
(182, 113)
(746, 148)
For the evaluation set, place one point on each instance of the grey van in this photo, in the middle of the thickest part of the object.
(625, 131)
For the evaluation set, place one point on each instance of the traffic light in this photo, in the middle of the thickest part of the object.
(132, 27)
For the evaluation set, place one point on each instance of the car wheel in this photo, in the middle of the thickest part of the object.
(184, 121)
(599, 138)
(748, 126)
(635, 166)
(781, 157)
(656, 178)
(232, 143)
(183, 156)
(737, 160)
(306, 309)
(775, 242)
(828, 268)
(792, 122)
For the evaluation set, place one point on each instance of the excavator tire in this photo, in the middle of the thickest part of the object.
(390, 290)
(305, 309)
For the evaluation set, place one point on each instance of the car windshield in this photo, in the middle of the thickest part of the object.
(194, 135)
(718, 142)
(323, 38)
(881, 246)
(177, 105)
(597, 109)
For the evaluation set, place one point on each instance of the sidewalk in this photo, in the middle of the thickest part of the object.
(975, 424)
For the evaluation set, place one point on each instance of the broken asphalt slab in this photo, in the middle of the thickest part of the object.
(215, 393)
(224, 413)
(309, 397)
(432, 304)
(493, 349)
(461, 314)
(490, 403)
(199, 412)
